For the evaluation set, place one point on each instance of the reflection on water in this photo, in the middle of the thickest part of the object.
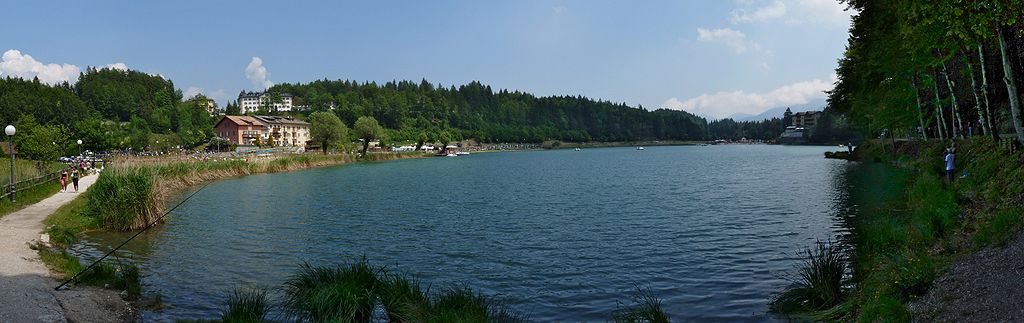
(559, 235)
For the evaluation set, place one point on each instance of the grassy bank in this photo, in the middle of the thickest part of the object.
(28, 197)
(23, 170)
(900, 247)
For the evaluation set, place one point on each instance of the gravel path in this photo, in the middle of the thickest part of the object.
(26, 285)
(988, 286)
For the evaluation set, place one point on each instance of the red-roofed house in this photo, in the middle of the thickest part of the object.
(240, 130)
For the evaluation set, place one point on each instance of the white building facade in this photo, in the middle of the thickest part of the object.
(284, 131)
(250, 102)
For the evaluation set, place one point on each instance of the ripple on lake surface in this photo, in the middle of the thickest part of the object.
(559, 235)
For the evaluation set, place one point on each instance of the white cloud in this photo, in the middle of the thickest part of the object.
(192, 91)
(117, 66)
(257, 74)
(732, 38)
(824, 12)
(16, 64)
(724, 104)
(772, 11)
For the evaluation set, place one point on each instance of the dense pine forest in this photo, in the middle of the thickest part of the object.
(933, 69)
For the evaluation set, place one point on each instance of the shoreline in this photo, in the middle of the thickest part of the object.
(89, 303)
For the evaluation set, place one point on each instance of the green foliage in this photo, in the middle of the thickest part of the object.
(246, 306)
(1001, 228)
(465, 305)
(122, 199)
(327, 130)
(333, 294)
(646, 309)
(474, 110)
(820, 283)
(403, 298)
(120, 276)
(121, 95)
(49, 105)
(368, 129)
(40, 142)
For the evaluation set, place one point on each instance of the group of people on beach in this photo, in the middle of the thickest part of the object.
(71, 174)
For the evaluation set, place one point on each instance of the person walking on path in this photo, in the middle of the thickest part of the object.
(74, 178)
(64, 180)
(949, 164)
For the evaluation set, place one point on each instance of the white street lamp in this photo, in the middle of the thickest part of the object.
(10, 130)
(79, 148)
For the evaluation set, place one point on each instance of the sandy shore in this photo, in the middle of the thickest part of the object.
(26, 284)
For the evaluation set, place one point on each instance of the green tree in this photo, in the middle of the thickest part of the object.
(39, 142)
(368, 129)
(327, 129)
(232, 109)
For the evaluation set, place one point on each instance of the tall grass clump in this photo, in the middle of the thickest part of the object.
(819, 284)
(122, 199)
(646, 308)
(246, 306)
(463, 305)
(403, 298)
(332, 294)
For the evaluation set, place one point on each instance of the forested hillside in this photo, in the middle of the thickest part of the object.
(119, 109)
(476, 111)
(937, 69)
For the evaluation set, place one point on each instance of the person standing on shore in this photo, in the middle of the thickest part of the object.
(74, 178)
(949, 164)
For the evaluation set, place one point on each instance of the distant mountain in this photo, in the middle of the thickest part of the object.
(814, 105)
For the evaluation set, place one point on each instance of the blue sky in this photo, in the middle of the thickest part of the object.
(714, 58)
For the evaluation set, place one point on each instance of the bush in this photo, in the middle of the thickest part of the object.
(333, 294)
(403, 298)
(245, 306)
(820, 283)
(464, 305)
(647, 308)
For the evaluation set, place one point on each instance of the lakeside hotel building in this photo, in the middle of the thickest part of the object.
(252, 101)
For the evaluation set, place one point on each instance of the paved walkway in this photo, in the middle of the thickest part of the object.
(26, 287)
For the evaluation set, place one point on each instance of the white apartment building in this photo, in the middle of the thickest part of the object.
(249, 102)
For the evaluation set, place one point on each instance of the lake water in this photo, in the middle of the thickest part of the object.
(558, 235)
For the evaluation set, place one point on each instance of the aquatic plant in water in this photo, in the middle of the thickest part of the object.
(819, 284)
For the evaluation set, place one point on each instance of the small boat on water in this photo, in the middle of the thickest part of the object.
(577, 149)
(640, 148)
(452, 155)
(462, 153)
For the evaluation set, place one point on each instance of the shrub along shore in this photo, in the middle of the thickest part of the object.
(899, 249)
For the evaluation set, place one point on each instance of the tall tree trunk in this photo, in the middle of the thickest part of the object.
(993, 131)
(977, 100)
(940, 119)
(959, 126)
(1011, 87)
(920, 110)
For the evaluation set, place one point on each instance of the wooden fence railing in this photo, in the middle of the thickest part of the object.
(6, 189)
